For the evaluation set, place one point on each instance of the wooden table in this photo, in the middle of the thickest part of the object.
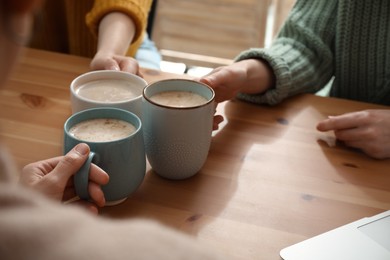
(270, 180)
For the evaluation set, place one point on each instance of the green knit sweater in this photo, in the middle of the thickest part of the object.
(347, 39)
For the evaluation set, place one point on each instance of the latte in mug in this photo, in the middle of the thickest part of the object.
(101, 130)
(108, 90)
(179, 99)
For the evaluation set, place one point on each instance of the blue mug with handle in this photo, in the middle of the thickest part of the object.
(123, 159)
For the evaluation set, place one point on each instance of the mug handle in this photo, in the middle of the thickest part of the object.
(81, 178)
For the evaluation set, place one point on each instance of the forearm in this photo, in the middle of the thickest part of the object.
(116, 32)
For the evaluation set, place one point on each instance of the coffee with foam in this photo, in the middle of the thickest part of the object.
(102, 130)
(108, 90)
(179, 99)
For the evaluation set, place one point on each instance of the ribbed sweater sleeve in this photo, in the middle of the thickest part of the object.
(345, 39)
(301, 56)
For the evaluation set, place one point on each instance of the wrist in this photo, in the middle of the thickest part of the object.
(102, 53)
(260, 76)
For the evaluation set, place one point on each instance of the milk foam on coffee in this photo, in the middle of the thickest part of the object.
(108, 90)
(179, 99)
(102, 130)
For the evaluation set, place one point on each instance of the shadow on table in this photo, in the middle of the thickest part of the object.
(191, 204)
(369, 175)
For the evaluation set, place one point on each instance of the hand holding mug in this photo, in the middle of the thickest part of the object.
(116, 141)
(54, 177)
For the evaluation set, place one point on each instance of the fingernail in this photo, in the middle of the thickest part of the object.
(82, 149)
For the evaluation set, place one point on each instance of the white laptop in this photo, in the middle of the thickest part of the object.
(364, 239)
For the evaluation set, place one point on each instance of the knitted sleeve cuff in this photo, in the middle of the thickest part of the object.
(138, 13)
(282, 75)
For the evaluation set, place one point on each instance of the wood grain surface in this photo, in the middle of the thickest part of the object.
(270, 180)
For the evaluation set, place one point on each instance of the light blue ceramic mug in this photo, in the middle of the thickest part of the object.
(122, 157)
(178, 120)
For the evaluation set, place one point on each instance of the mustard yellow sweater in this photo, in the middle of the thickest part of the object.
(71, 26)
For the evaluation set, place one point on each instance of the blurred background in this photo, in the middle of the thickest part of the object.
(192, 36)
(195, 36)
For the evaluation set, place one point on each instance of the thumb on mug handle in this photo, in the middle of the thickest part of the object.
(81, 178)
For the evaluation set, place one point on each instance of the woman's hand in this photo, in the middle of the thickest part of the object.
(368, 130)
(247, 76)
(53, 177)
(107, 61)
(116, 32)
